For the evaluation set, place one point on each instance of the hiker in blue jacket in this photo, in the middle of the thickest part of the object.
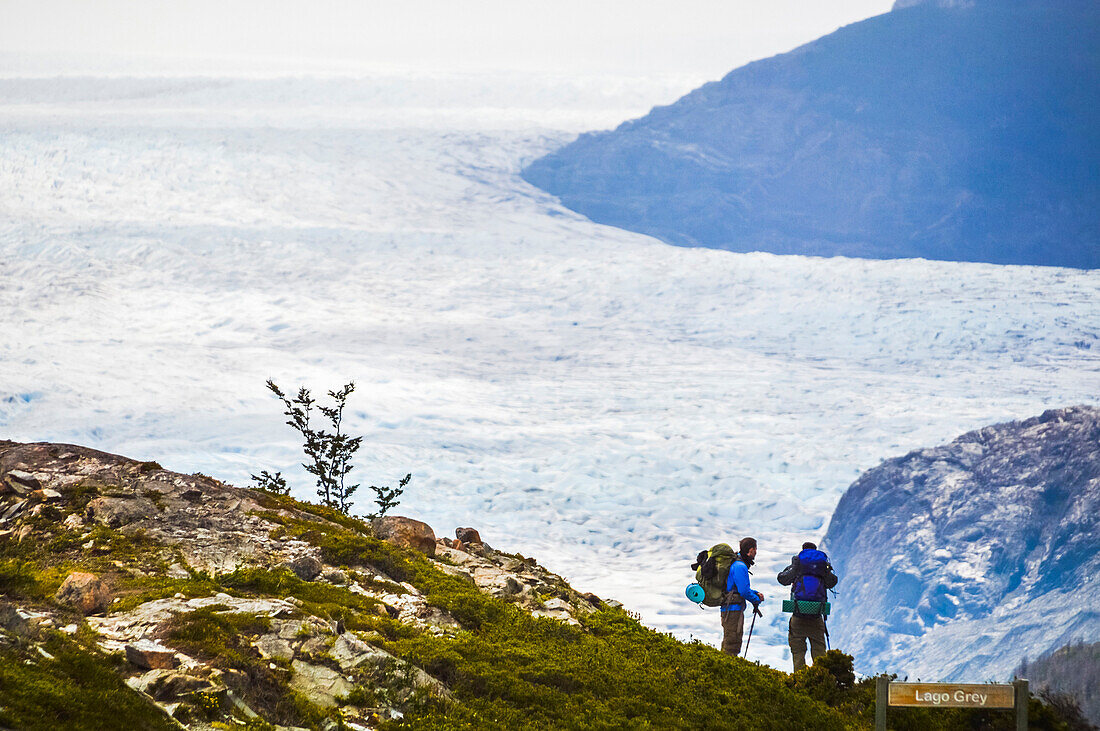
(737, 591)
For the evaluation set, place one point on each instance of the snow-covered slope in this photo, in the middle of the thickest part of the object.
(586, 395)
(971, 556)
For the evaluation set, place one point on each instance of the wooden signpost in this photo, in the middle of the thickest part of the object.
(950, 695)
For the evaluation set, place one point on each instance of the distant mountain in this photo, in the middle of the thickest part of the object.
(957, 562)
(962, 131)
(1073, 670)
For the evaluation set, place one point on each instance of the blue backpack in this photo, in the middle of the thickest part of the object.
(810, 584)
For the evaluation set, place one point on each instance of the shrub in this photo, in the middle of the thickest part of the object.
(273, 483)
(328, 453)
(208, 634)
(386, 497)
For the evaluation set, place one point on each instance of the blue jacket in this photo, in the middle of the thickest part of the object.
(739, 580)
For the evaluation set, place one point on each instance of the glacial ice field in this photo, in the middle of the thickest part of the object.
(589, 396)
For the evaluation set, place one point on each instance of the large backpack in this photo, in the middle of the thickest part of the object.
(712, 569)
(813, 567)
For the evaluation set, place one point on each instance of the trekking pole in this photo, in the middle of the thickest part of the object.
(755, 613)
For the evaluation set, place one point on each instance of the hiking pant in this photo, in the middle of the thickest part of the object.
(733, 627)
(802, 629)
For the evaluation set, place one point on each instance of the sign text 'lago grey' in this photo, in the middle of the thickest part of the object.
(952, 695)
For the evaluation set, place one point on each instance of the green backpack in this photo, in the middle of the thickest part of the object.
(712, 569)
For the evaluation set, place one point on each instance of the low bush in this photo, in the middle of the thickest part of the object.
(69, 690)
(207, 633)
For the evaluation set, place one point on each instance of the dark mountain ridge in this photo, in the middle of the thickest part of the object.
(965, 133)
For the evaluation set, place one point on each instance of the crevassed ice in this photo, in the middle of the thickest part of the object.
(604, 402)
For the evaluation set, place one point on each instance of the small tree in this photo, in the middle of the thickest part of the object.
(386, 497)
(328, 453)
(275, 483)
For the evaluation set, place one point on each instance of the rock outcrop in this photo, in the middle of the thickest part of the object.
(957, 562)
(145, 528)
(150, 655)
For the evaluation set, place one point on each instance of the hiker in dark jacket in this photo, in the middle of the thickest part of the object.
(737, 591)
(806, 583)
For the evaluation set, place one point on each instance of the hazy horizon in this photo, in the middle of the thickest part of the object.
(705, 39)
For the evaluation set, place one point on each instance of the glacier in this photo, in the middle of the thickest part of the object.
(595, 398)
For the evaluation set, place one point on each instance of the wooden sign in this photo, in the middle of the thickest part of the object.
(952, 695)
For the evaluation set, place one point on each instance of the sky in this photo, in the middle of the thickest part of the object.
(705, 38)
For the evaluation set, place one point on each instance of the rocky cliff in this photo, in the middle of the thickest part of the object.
(963, 559)
(962, 131)
(1073, 670)
(133, 597)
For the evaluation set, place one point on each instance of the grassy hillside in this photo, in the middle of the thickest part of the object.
(352, 655)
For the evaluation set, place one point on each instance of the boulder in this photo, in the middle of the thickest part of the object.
(146, 681)
(468, 535)
(13, 510)
(45, 494)
(176, 685)
(335, 576)
(315, 645)
(273, 646)
(150, 655)
(350, 652)
(12, 621)
(386, 610)
(319, 684)
(21, 482)
(116, 511)
(85, 592)
(305, 567)
(480, 549)
(405, 532)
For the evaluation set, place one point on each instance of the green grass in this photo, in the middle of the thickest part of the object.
(504, 668)
(528, 673)
(73, 691)
(223, 639)
(508, 669)
(319, 599)
(208, 634)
